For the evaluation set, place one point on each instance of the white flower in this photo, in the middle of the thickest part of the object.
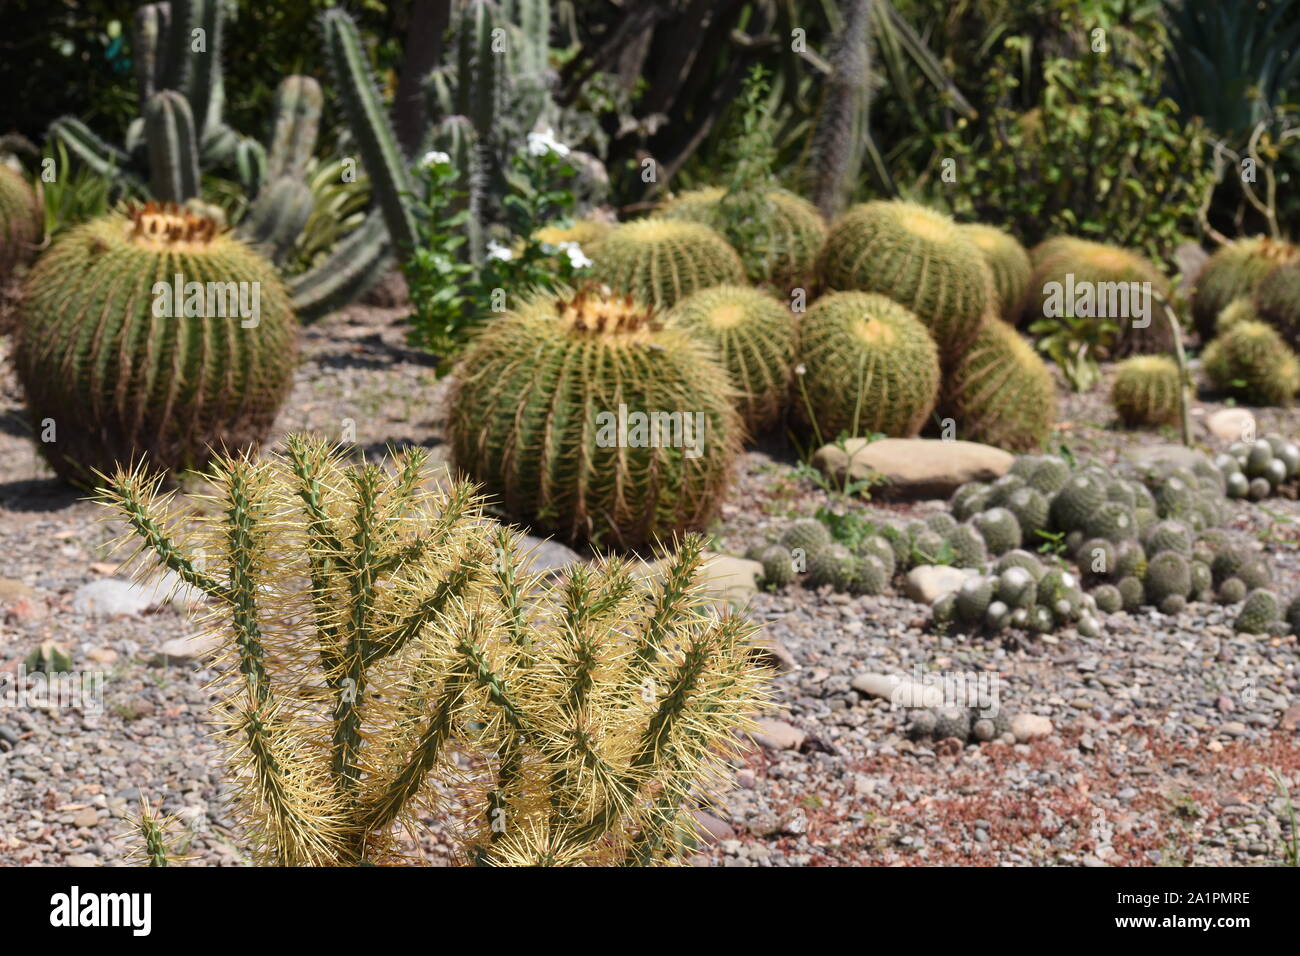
(497, 251)
(543, 142)
(433, 158)
(577, 258)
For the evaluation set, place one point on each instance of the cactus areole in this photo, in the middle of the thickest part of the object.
(152, 332)
(585, 416)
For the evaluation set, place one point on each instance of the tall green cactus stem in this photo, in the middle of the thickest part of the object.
(173, 148)
(369, 123)
(151, 24)
(356, 263)
(591, 713)
(919, 258)
(277, 217)
(754, 335)
(104, 359)
(869, 365)
(22, 222)
(586, 418)
(661, 261)
(298, 105)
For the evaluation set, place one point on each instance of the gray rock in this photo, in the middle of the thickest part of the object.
(929, 582)
(195, 647)
(109, 597)
(777, 735)
(898, 690)
(913, 467)
(546, 556)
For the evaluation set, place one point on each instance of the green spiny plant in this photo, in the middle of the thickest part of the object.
(1001, 393)
(754, 335)
(1251, 361)
(1098, 267)
(1147, 391)
(1240, 309)
(793, 233)
(377, 628)
(22, 221)
(542, 398)
(661, 261)
(1233, 271)
(918, 257)
(1008, 262)
(1277, 300)
(867, 365)
(110, 373)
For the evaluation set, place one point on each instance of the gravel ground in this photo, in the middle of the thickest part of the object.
(1170, 734)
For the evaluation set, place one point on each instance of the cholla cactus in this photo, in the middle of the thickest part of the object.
(378, 626)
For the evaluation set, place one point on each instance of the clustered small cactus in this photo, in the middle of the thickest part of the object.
(1257, 469)
(1234, 271)
(377, 629)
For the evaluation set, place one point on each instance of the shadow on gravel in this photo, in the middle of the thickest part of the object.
(376, 450)
(39, 494)
(14, 422)
(376, 356)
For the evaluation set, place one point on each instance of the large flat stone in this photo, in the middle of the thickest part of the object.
(913, 467)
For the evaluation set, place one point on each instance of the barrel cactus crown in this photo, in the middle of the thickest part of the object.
(1277, 300)
(150, 332)
(791, 233)
(22, 221)
(917, 257)
(1147, 391)
(754, 335)
(1233, 271)
(1001, 393)
(1250, 361)
(868, 365)
(661, 261)
(584, 416)
(1071, 272)
(1009, 263)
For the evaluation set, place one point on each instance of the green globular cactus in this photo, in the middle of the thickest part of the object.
(807, 535)
(835, 565)
(1277, 301)
(1001, 393)
(587, 418)
(970, 499)
(973, 599)
(1168, 573)
(1000, 530)
(1169, 536)
(1259, 613)
(388, 659)
(1132, 592)
(1235, 270)
(1292, 616)
(22, 222)
(793, 234)
(173, 147)
(968, 547)
(868, 365)
(778, 568)
(1076, 502)
(1107, 598)
(1251, 362)
(754, 335)
(1241, 309)
(876, 546)
(919, 258)
(1008, 262)
(869, 576)
(1147, 391)
(1113, 521)
(114, 370)
(1082, 279)
(1032, 511)
(660, 261)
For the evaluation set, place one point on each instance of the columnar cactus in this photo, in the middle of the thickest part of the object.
(1148, 391)
(660, 262)
(868, 366)
(918, 257)
(1111, 280)
(1001, 393)
(22, 221)
(152, 334)
(584, 416)
(1234, 270)
(1251, 361)
(754, 335)
(378, 632)
(1008, 262)
(794, 232)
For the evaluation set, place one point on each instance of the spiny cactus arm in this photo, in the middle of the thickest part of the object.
(153, 831)
(151, 22)
(422, 615)
(355, 264)
(203, 87)
(277, 217)
(245, 507)
(98, 155)
(136, 498)
(459, 504)
(250, 163)
(510, 591)
(369, 124)
(673, 599)
(173, 147)
(298, 104)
